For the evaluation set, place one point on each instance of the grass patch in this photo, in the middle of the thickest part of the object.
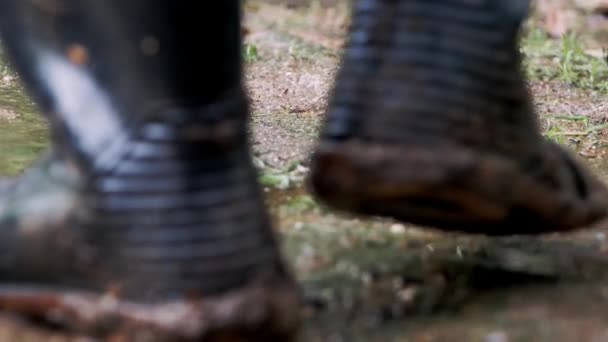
(250, 53)
(564, 60)
(291, 176)
(21, 140)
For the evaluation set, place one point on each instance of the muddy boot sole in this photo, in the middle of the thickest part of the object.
(262, 311)
(457, 189)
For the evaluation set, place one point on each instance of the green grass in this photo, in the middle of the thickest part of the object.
(21, 140)
(284, 178)
(250, 53)
(563, 60)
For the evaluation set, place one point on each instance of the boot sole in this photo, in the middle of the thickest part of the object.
(454, 188)
(258, 312)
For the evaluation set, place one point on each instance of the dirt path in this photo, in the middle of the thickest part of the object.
(289, 80)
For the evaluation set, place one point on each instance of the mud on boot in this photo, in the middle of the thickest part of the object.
(148, 224)
(431, 123)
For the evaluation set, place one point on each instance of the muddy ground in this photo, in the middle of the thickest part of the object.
(369, 279)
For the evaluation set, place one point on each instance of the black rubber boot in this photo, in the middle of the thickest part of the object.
(431, 123)
(148, 222)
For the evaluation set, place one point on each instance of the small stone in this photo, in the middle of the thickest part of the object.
(497, 336)
(397, 228)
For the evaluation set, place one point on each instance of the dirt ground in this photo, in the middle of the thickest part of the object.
(370, 279)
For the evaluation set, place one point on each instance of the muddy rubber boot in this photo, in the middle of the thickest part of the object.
(431, 123)
(148, 223)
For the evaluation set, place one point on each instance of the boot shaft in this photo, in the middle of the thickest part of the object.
(145, 98)
(432, 69)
